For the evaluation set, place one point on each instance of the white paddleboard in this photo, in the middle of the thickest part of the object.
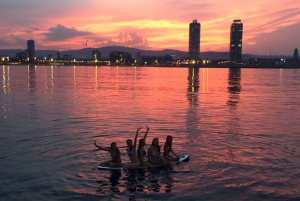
(182, 158)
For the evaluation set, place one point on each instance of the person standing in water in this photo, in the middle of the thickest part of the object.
(114, 153)
(168, 149)
(131, 152)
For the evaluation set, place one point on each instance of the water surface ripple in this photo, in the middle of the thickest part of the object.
(239, 126)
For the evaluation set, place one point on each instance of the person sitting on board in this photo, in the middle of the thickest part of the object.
(131, 152)
(168, 149)
(154, 156)
(142, 152)
(114, 153)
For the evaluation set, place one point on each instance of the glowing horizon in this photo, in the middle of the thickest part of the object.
(156, 25)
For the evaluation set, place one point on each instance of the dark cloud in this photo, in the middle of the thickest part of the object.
(7, 4)
(31, 30)
(61, 32)
(275, 42)
(286, 14)
(4, 42)
(18, 40)
(14, 41)
(25, 13)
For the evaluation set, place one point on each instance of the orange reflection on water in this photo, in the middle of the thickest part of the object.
(4, 79)
(154, 91)
(74, 76)
(80, 191)
(96, 77)
(138, 88)
(204, 79)
(8, 80)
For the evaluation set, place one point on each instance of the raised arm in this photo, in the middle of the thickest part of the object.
(145, 136)
(101, 148)
(136, 135)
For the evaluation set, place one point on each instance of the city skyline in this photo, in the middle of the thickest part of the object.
(268, 26)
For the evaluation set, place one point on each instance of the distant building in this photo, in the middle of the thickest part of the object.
(66, 57)
(138, 57)
(58, 55)
(30, 50)
(296, 54)
(96, 55)
(156, 60)
(236, 35)
(49, 57)
(167, 58)
(194, 40)
(119, 57)
(21, 55)
(150, 60)
(4, 58)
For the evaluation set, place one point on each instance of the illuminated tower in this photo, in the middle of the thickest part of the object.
(296, 54)
(194, 40)
(30, 50)
(236, 35)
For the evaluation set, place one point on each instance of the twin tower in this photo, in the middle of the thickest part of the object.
(235, 48)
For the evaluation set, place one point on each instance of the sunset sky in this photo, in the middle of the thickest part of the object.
(150, 24)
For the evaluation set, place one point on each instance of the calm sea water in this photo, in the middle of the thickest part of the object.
(239, 126)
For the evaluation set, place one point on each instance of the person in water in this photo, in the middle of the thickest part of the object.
(142, 152)
(131, 152)
(114, 153)
(154, 155)
(168, 149)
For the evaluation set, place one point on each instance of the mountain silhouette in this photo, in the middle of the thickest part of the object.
(86, 53)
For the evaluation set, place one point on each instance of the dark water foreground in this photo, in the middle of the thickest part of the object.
(239, 126)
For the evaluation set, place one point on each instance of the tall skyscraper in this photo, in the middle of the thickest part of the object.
(296, 54)
(30, 50)
(236, 35)
(194, 40)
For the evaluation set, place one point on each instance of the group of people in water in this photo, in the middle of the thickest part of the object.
(137, 154)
